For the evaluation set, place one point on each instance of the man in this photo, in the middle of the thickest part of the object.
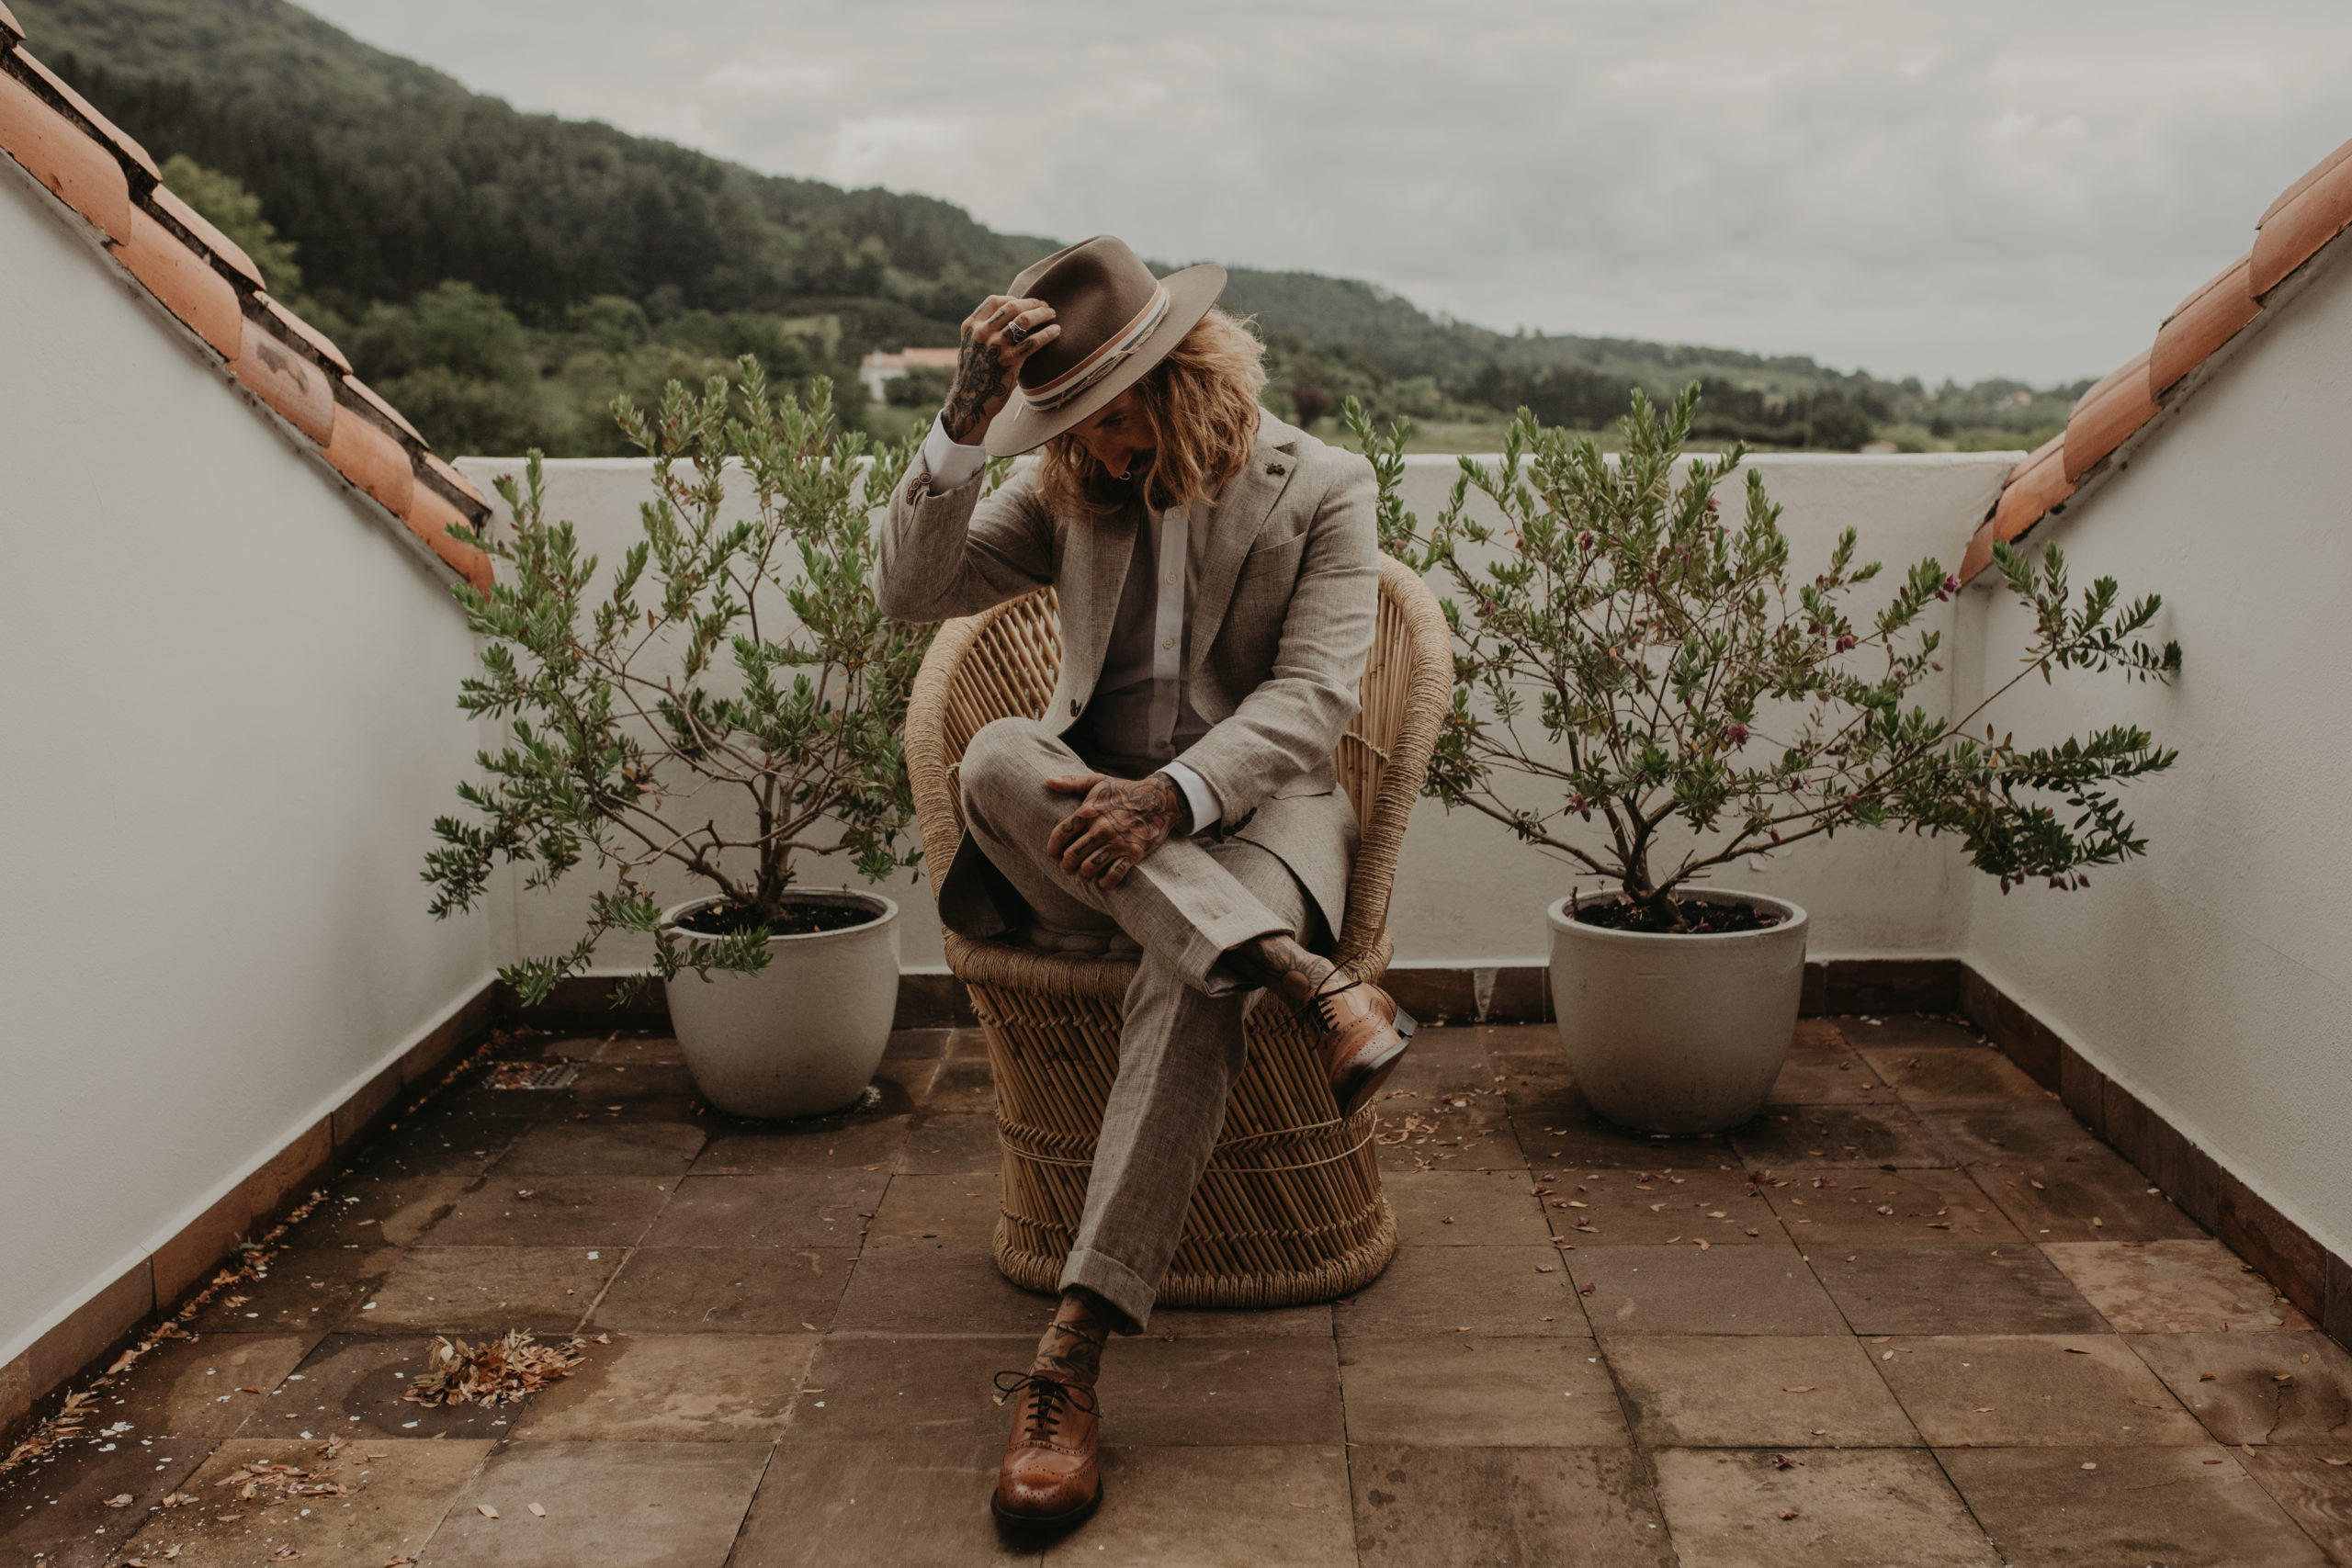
(1217, 577)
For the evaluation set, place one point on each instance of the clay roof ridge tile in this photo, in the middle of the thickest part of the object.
(2216, 313)
(2107, 416)
(12, 32)
(2304, 181)
(54, 149)
(2316, 210)
(456, 486)
(51, 84)
(304, 336)
(361, 395)
(228, 256)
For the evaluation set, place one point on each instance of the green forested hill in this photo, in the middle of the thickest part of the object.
(500, 274)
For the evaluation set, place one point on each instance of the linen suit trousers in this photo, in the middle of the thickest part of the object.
(1180, 1043)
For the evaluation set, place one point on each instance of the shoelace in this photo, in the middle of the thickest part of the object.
(1322, 1001)
(1052, 1394)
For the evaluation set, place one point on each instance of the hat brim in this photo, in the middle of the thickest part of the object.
(1022, 427)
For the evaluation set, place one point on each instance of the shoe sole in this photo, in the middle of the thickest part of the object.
(1370, 1079)
(1033, 1524)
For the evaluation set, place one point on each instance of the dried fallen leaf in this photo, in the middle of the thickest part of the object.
(1787, 1513)
(1801, 1388)
(1783, 1461)
(2331, 1459)
(2204, 1377)
(485, 1510)
(121, 1501)
(495, 1371)
(536, 1510)
(1886, 1355)
(1983, 1410)
(2090, 1464)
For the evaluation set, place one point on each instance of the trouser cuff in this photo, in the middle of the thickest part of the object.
(1121, 1288)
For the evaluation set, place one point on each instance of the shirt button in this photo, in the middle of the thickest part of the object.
(1168, 642)
(1171, 579)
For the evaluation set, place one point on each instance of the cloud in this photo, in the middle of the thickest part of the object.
(2010, 187)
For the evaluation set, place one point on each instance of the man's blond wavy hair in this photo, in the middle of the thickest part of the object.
(1200, 407)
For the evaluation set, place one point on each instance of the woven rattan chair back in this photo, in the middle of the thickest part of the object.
(1290, 1210)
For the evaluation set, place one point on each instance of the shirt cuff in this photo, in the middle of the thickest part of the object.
(1203, 799)
(950, 464)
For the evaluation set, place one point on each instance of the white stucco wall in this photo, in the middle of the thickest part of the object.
(2213, 979)
(1468, 894)
(227, 685)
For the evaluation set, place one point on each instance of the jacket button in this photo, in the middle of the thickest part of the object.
(1073, 707)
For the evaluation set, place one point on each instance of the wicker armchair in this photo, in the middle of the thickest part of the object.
(1290, 1210)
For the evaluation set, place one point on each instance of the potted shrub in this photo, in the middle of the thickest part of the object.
(724, 702)
(1644, 690)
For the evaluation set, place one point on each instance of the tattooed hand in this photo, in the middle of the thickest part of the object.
(1121, 821)
(998, 338)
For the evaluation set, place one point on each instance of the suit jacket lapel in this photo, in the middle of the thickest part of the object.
(1099, 551)
(1234, 525)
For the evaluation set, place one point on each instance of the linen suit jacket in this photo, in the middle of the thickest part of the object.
(1281, 624)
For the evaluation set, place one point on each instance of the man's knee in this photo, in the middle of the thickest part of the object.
(1002, 754)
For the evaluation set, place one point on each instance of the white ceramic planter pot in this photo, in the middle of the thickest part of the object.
(804, 1035)
(1677, 1034)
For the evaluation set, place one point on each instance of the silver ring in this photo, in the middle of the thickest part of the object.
(1017, 332)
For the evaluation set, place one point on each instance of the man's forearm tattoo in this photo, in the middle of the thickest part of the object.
(982, 378)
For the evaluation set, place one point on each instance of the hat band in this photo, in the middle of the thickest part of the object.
(1075, 380)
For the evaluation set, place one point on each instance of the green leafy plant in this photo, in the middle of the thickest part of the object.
(1652, 668)
(728, 701)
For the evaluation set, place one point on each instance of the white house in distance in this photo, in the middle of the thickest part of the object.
(878, 370)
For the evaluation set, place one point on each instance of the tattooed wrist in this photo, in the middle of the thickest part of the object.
(983, 381)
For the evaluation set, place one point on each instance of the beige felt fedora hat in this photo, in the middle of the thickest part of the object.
(1117, 321)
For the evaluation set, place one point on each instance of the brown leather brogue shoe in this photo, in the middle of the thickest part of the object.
(1049, 1479)
(1366, 1033)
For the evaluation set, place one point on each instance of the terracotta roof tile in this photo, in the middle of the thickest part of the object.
(82, 174)
(2205, 320)
(396, 424)
(2313, 212)
(1979, 554)
(363, 453)
(456, 487)
(186, 285)
(286, 381)
(2037, 484)
(133, 155)
(2106, 416)
(2304, 182)
(430, 517)
(302, 334)
(12, 33)
(227, 253)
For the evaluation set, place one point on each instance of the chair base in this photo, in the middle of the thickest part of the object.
(1259, 1289)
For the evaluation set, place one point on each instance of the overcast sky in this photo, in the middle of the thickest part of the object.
(2016, 188)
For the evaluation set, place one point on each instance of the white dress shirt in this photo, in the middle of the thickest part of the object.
(1177, 537)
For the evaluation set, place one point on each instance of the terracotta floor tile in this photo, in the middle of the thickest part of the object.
(1427, 1126)
(1271, 1389)
(450, 1139)
(2182, 1507)
(2032, 1391)
(900, 1292)
(1629, 1207)
(601, 1085)
(1811, 1137)
(630, 1049)
(366, 1376)
(912, 1388)
(1936, 1289)
(1859, 1509)
(1681, 1289)
(1819, 1072)
(658, 1149)
(1464, 1391)
(830, 1142)
(962, 1086)
(1852, 1208)
(2315, 1494)
(55, 1512)
(555, 1211)
(2174, 1287)
(193, 1387)
(951, 1146)
(2085, 1201)
(2006, 1132)
(1534, 1083)
(2287, 1387)
(308, 1288)
(1218, 1322)
(615, 1504)
(378, 1212)
(674, 1388)
(1504, 1508)
(1556, 1132)
(1186, 1508)
(1480, 1289)
(796, 1209)
(1908, 1031)
(1466, 1208)
(399, 1492)
(921, 1503)
(725, 1289)
(1950, 1074)
(1743, 1391)
(485, 1290)
(937, 1214)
